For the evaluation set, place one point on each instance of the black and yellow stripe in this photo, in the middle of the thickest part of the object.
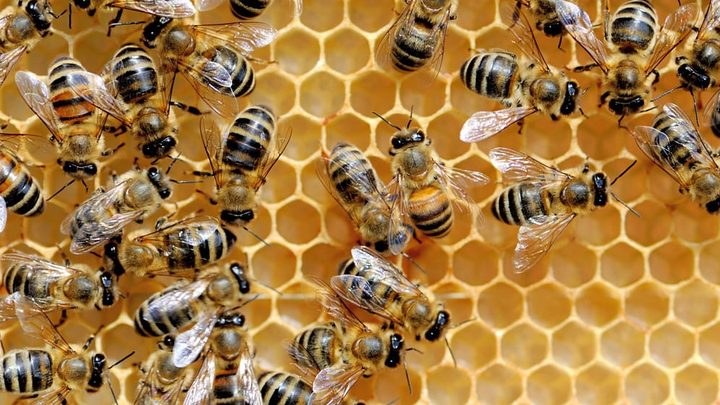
(278, 388)
(69, 107)
(26, 371)
(241, 72)
(491, 74)
(431, 211)
(249, 138)
(197, 245)
(352, 174)
(248, 9)
(154, 321)
(134, 74)
(319, 346)
(18, 278)
(18, 188)
(519, 203)
(633, 26)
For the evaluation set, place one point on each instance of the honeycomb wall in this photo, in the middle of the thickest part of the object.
(623, 309)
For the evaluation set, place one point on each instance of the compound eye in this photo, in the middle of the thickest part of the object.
(149, 150)
(164, 193)
(153, 173)
(398, 143)
(91, 169)
(69, 167)
(169, 341)
(418, 136)
(239, 320)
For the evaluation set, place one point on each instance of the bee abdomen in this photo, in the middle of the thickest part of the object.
(346, 164)
(633, 26)
(490, 74)
(412, 48)
(241, 72)
(198, 246)
(27, 371)
(134, 74)
(431, 211)
(19, 190)
(247, 9)
(153, 321)
(249, 137)
(319, 345)
(69, 107)
(678, 147)
(18, 278)
(517, 204)
(279, 388)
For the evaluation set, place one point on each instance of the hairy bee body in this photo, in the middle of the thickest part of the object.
(162, 381)
(493, 75)
(18, 188)
(241, 72)
(546, 18)
(248, 9)
(322, 345)
(279, 388)
(634, 27)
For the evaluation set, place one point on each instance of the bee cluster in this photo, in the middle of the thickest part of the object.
(176, 91)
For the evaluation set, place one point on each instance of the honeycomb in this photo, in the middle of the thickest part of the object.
(623, 309)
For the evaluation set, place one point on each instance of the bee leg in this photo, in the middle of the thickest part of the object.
(115, 20)
(603, 98)
(110, 152)
(209, 198)
(63, 318)
(560, 42)
(620, 123)
(160, 222)
(585, 68)
(69, 15)
(657, 77)
(188, 108)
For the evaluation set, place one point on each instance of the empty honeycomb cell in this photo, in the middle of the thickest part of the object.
(499, 384)
(448, 385)
(46, 51)
(272, 357)
(429, 354)
(671, 345)
(390, 386)
(496, 39)
(421, 94)
(696, 384)
(125, 333)
(546, 140)
(456, 301)
(373, 18)
(260, 310)
(474, 346)
(337, 55)
(304, 134)
(647, 384)
(549, 385)
(94, 49)
(372, 91)
(443, 130)
(457, 50)
(321, 15)
(597, 384)
(548, 305)
(695, 303)
(573, 264)
(622, 265)
(475, 263)
(524, 346)
(671, 263)
(339, 226)
(600, 227)
(709, 345)
(573, 345)
(663, 187)
(312, 186)
(293, 307)
(275, 90)
(709, 262)
(693, 224)
(280, 183)
(631, 185)
(597, 304)
(500, 305)
(322, 94)
(646, 305)
(273, 265)
(648, 232)
(298, 222)
(297, 51)
(347, 128)
(430, 265)
(476, 191)
(599, 138)
(47, 235)
(474, 15)
(469, 103)
(464, 222)
(321, 261)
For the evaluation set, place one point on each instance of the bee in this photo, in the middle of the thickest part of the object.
(426, 187)
(417, 38)
(53, 286)
(543, 201)
(525, 85)
(546, 18)
(21, 30)
(281, 388)
(240, 160)
(337, 353)
(134, 196)
(19, 191)
(162, 381)
(699, 67)
(163, 8)
(637, 44)
(352, 181)
(211, 56)
(248, 9)
(185, 302)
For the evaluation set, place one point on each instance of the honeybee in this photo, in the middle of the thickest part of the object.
(673, 143)
(162, 381)
(135, 195)
(699, 67)
(20, 30)
(546, 18)
(637, 46)
(281, 388)
(248, 9)
(226, 375)
(426, 187)
(337, 353)
(53, 286)
(185, 302)
(19, 191)
(211, 56)
(241, 158)
(352, 181)
(525, 85)
(417, 38)
(163, 8)
(543, 201)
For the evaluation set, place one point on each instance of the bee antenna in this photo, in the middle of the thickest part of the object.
(267, 286)
(175, 159)
(414, 263)
(256, 236)
(695, 105)
(185, 181)
(666, 92)
(412, 107)
(61, 189)
(84, 185)
(627, 169)
(452, 355)
(112, 391)
(387, 122)
(412, 349)
(407, 378)
(127, 356)
(624, 204)
(457, 325)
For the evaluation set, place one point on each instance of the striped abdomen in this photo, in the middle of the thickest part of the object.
(680, 147)
(413, 46)
(352, 174)
(241, 72)
(431, 211)
(196, 246)
(153, 321)
(68, 105)
(18, 188)
(247, 9)
(134, 74)
(26, 371)
(19, 278)
(517, 204)
(278, 388)
(227, 389)
(380, 289)
(248, 139)
(491, 74)
(633, 26)
(319, 345)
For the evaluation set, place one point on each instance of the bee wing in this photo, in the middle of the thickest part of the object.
(535, 240)
(243, 36)
(384, 49)
(710, 21)
(202, 387)
(577, 23)
(212, 82)
(517, 167)
(457, 181)
(300, 357)
(357, 290)
(277, 147)
(191, 343)
(332, 384)
(93, 89)
(440, 33)
(213, 142)
(34, 321)
(336, 309)
(39, 266)
(524, 34)
(676, 28)
(53, 397)
(162, 8)
(484, 124)
(3, 214)
(206, 5)
(247, 382)
(37, 96)
(380, 270)
(9, 58)
(321, 169)
(176, 296)
(189, 233)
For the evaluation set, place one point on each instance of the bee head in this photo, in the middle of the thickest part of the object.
(153, 29)
(109, 294)
(111, 257)
(438, 328)
(97, 373)
(394, 351)
(82, 4)
(40, 15)
(624, 106)
(159, 148)
(238, 272)
(694, 76)
(237, 217)
(569, 103)
(600, 185)
(406, 138)
(159, 181)
(553, 28)
(230, 319)
(80, 170)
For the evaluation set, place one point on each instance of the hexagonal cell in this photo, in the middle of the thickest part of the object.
(469, 102)
(448, 385)
(693, 224)
(696, 384)
(549, 385)
(622, 265)
(498, 384)
(443, 130)
(573, 345)
(372, 91)
(597, 384)
(500, 305)
(321, 15)
(599, 138)
(274, 265)
(457, 49)
(422, 93)
(475, 263)
(524, 346)
(599, 228)
(623, 344)
(474, 346)
(280, 184)
(305, 136)
(430, 354)
(297, 51)
(664, 188)
(647, 384)
(475, 15)
(272, 356)
(536, 129)
(337, 55)
(387, 388)
(322, 94)
(671, 345)
(671, 263)
(709, 262)
(260, 226)
(695, 303)
(548, 305)
(298, 222)
(648, 232)
(573, 264)
(371, 19)
(275, 90)
(294, 307)
(322, 261)
(597, 304)
(646, 305)
(632, 184)
(709, 344)
(348, 128)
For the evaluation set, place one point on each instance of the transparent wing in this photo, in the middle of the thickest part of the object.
(534, 241)
(485, 124)
(178, 296)
(202, 387)
(358, 291)
(577, 23)
(53, 397)
(37, 96)
(336, 309)
(301, 358)
(243, 36)
(9, 58)
(191, 343)
(8, 310)
(277, 147)
(247, 382)
(384, 49)
(162, 8)
(189, 233)
(3, 214)
(676, 28)
(206, 5)
(524, 34)
(212, 82)
(213, 143)
(710, 109)
(93, 89)
(457, 181)
(517, 167)
(332, 384)
(710, 21)
(377, 269)
(40, 268)
(35, 322)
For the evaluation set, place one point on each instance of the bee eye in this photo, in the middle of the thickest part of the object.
(418, 136)
(164, 193)
(91, 169)
(169, 341)
(398, 143)
(69, 167)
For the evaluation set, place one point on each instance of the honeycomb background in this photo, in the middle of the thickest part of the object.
(623, 309)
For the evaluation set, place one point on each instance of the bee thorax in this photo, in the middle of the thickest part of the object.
(73, 371)
(546, 91)
(575, 194)
(369, 348)
(80, 289)
(179, 42)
